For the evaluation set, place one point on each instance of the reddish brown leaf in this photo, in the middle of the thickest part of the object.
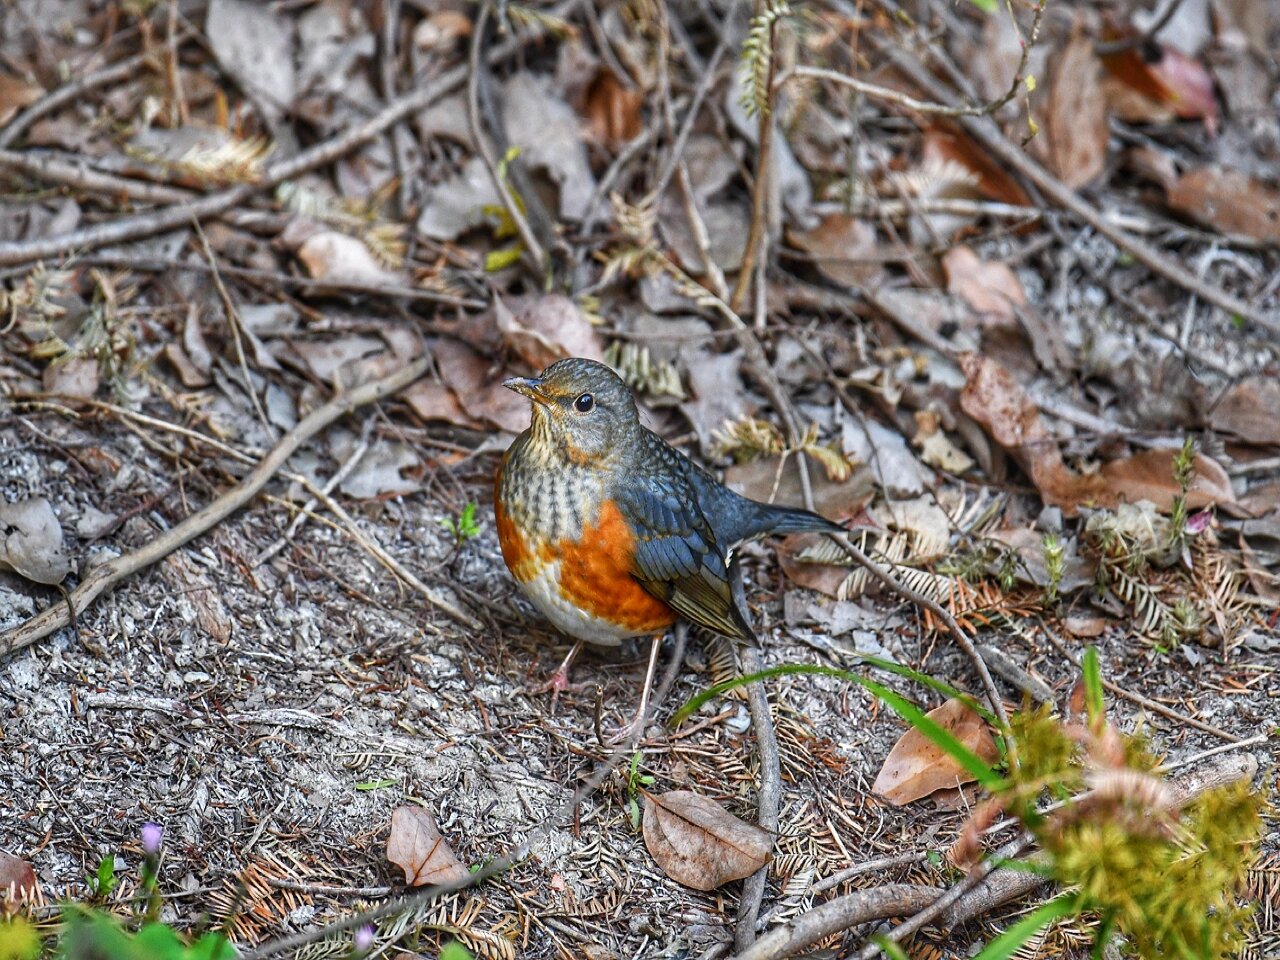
(547, 329)
(16, 875)
(612, 112)
(916, 766)
(1230, 201)
(843, 249)
(1076, 128)
(1250, 410)
(478, 386)
(415, 845)
(988, 286)
(14, 95)
(1156, 85)
(993, 398)
(699, 844)
(946, 140)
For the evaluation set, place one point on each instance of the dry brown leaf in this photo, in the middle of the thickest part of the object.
(699, 844)
(998, 403)
(17, 875)
(1143, 90)
(14, 95)
(434, 401)
(546, 329)
(988, 286)
(441, 29)
(478, 386)
(1087, 627)
(1076, 130)
(416, 846)
(611, 111)
(77, 377)
(1230, 201)
(1250, 410)
(936, 448)
(335, 256)
(843, 248)
(947, 140)
(916, 766)
(31, 541)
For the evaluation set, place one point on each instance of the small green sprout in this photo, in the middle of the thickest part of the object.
(636, 780)
(1054, 565)
(465, 526)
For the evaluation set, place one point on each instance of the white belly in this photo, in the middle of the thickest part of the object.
(544, 592)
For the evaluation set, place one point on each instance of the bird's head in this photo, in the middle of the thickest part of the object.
(581, 410)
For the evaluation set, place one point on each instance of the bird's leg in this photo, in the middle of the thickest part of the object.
(559, 681)
(636, 726)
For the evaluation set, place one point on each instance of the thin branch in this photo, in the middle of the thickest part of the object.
(105, 576)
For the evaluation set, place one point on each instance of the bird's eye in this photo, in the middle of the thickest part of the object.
(585, 403)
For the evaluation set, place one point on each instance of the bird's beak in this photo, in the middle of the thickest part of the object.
(530, 387)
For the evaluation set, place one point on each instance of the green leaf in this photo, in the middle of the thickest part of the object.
(1093, 692)
(377, 784)
(1008, 943)
(502, 258)
(986, 6)
(890, 949)
(453, 950)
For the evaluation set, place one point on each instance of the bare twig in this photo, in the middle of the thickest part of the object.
(869, 866)
(103, 577)
(481, 139)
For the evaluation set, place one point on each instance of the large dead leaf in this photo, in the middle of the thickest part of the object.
(988, 286)
(543, 330)
(1230, 201)
(254, 44)
(947, 140)
(1076, 130)
(478, 386)
(1250, 410)
(611, 111)
(699, 844)
(16, 875)
(416, 846)
(843, 248)
(998, 403)
(916, 766)
(545, 129)
(31, 541)
(1156, 84)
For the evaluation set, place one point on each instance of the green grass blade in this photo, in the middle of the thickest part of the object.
(1004, 946)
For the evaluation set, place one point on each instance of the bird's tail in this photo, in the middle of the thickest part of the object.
(769, 520)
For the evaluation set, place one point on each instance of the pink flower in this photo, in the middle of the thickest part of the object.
(364, 939)
(152, 837)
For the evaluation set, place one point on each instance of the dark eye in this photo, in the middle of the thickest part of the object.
(585, 403)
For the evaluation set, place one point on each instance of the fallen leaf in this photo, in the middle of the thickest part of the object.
(885, 452)
(456, 205)
(416, 846)
(76, 377)
(998, 403)
(759, 480)
(946, 140)
(716, 393)
(442, 29)
(433, 401)
(16, 875)
(988, 286)
(387, 469)
(330, 255)
(843, 248)
(699, 844)
(191, 376)
(1156, 83)
(545, 129)
(936, 448)
(1086, 627)
(916, 766)
(611, 111)
(254, 44)
(478, 386)
(326, 358)
(1230, 201)
(1076, 130)
(31, 541)
(14, 95)
(546, 329)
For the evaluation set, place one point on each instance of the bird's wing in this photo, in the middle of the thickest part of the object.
(677, 557)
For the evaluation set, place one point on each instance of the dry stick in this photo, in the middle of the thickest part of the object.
(485, 149)
(77, 174)
(1142, 701)
(73, 91)
(988, 135)
(170, 218)
(964, 900)
(770, 801)
(103, 577)
(516, 854)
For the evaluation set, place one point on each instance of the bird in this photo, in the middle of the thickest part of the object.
(611, 532)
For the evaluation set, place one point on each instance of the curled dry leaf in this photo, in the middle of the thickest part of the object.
(916, 766)
(335, 256)
(31, 541)
(1155, 84)
(1250, 410)
(998, 403)
(699, 844)
(1230, 201)
(416, 846)
(1076, 130)
(546, 329)
(16, 875)
(988, 286)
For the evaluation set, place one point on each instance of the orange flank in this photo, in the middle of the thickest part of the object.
(595, 575)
